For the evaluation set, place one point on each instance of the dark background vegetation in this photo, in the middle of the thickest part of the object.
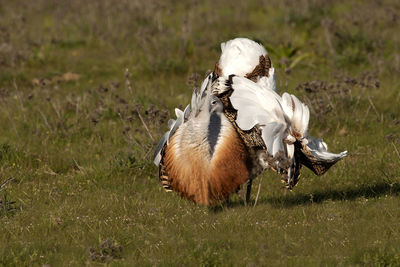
(86, 88)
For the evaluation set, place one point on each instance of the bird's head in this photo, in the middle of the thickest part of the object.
(215, 105)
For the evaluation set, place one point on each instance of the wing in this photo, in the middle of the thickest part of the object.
(315, 155)
(258, 106)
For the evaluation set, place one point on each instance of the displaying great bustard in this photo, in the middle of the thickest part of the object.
(236, 127)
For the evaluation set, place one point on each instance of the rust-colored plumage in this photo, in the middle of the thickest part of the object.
(205, 178)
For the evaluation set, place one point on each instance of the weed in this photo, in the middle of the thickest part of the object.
(107, 251)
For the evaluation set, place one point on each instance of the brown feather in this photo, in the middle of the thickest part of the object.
(262, 69)
(204, 179)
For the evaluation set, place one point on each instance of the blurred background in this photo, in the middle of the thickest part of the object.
(86, 89)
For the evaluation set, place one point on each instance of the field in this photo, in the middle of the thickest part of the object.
(87, 87)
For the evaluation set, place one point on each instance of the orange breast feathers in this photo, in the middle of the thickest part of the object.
(204, 174)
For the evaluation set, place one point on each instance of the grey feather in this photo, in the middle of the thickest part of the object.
(186, 113)
(214, 125)
(176, 125)
(157, 152)
(171, 123)
(199, 96)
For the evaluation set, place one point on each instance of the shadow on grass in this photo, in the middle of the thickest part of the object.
(349, 193)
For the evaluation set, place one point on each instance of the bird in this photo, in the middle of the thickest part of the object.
(266, 131)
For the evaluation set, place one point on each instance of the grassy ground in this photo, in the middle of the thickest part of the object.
(79, 79)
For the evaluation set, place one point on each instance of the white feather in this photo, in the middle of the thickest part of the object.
(268, 82)
(305, 119)
(178, 122)
(290, 150)
(157, 152)
(186, 113)
(319, 149)
(171, 123)
(259, 106)
(240, 56)
(287, 105)
(297, 113)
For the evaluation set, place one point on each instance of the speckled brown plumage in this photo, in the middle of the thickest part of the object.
(307, 159)
(261, 70)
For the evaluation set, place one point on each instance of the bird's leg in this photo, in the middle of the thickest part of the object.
(243, 191)
(258, 191)
(248, 190)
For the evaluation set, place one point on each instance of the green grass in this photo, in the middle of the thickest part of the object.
(81, 186)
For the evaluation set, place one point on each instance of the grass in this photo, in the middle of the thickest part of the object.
(78, 81)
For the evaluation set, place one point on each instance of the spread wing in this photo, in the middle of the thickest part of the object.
(258, 106)
(315, 155)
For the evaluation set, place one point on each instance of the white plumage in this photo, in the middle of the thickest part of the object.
(240, 56)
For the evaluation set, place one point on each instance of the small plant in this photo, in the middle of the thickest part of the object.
(6, 206)
(107, 251)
